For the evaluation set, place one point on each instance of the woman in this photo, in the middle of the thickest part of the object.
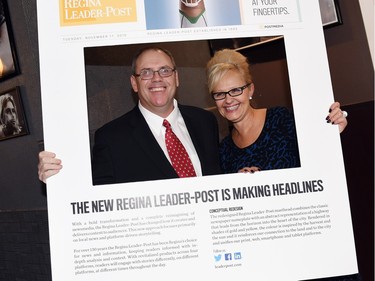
(261, 139)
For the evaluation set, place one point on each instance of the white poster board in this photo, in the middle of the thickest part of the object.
(291, 224)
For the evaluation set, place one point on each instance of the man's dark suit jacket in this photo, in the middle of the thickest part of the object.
(125, 149)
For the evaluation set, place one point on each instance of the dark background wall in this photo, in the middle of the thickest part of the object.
(24, 252)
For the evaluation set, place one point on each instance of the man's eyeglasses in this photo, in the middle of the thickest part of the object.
(148, 73)
(232, 92)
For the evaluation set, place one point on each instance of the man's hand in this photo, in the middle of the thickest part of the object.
(48, 165)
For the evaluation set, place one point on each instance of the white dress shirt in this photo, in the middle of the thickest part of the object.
(155, 123)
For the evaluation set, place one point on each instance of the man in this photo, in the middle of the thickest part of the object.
(132, 147)
(192, 13)
(9, 124)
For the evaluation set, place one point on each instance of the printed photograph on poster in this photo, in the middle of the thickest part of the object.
(165, 14)
(330, 13)
(12, 116)
(8, 58)
(109, 101)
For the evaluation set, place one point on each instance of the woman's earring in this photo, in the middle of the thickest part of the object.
(250, 98)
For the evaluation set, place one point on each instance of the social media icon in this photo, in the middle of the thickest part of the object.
(228, 257)
(237, 256)
(218, 257)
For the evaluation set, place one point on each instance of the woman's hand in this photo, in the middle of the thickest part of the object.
(337, 116)
(251, 169)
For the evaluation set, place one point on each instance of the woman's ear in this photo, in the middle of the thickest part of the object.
(251, 90)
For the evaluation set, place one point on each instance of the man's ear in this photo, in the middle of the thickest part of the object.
(133, 82)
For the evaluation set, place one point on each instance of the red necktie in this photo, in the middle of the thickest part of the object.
(180, 159)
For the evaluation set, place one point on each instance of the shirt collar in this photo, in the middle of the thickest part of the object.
(154, 121)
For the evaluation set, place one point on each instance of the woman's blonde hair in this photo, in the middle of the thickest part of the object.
(223, 61)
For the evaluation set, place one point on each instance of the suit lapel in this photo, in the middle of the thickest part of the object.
(147, 142)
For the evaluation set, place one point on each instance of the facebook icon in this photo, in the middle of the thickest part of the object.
(228, 257)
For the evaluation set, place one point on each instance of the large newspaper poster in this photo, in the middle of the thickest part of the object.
(290, 224)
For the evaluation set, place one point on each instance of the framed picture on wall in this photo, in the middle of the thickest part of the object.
(330, 12)
(8, 58)
(12, 116)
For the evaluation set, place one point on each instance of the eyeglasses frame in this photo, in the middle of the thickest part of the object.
(228, 92)
(153, 72)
